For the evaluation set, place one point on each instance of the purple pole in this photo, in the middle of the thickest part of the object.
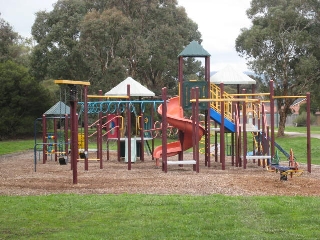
(308, 133)
(44, 139)
(66, 135)
(129, 128)
(197, 129)
(99, 144)
(74, 131)
(244, 123)
(272, 117)
(55, 139)
(207, 115)
(164, 131)
(222, 147)
(86, 133)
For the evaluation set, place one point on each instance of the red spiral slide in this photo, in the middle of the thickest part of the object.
(176, 119)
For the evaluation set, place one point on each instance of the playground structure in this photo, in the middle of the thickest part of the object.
(56, 142)
(198, 96)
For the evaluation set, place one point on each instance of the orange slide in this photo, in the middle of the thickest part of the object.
(176, 119)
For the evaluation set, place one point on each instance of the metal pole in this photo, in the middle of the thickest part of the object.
(86, 131)
(44, 138)
(222, 146)
(164, 130)
(272, 117)
(308, 133)
(129, 128)
(74, 131)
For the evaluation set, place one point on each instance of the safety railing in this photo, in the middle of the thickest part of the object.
(215, 93)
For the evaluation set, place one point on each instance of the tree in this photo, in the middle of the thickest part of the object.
(102, 34)
(57, 34)
(112, 39)
(7, 36)
(280, 44)
(22, 100)
(12, 46)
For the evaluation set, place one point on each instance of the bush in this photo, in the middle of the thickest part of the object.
(22, 100)
(301, 120)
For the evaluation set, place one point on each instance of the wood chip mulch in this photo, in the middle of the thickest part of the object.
(17, 177)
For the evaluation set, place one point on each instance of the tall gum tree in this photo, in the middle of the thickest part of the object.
(281, 46)
(105, 40)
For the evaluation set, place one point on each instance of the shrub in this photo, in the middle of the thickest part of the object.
(301, 120)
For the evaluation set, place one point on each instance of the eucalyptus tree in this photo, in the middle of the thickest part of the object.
(57, 33)
(105, 40)
(7, 36)
(13, 46)
(137, 38)
(282, 44)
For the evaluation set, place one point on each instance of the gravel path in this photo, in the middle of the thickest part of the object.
(18, 178)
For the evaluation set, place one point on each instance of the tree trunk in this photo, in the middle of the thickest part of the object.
(282, 123)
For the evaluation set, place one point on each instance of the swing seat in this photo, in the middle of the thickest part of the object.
(62, 161)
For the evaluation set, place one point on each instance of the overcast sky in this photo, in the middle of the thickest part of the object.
(219, 22)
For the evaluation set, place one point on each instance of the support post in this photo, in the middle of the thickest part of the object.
(99, 144)
(66, 135)
(196, 149)
(207, 115)
(272, 117)
(55, 139)
(74, 132)
(86, 131)
(222, 140)
(44, 139)
(244, 123)
(164, 131)
(129, 128)
(308, 133)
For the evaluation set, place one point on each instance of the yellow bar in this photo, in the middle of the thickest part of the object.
(250, 94)
(226, 100)
(104, 96)
(72, 82)
(289, 96)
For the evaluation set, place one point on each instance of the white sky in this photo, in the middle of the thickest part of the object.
(219, 22)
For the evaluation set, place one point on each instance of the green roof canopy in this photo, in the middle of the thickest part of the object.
(194, 49)
(59, 108)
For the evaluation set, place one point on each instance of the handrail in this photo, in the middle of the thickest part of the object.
(252, 104)
(215, 93)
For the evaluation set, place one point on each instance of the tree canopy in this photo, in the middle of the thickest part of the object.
(103, 41)
(22, 100)
(282, 44)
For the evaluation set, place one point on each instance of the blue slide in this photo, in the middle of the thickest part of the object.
(227, 123)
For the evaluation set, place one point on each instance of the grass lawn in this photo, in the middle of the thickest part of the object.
(158, 217)
(135, 216)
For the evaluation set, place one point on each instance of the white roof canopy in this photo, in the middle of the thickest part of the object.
(136, 89)
(229, 75)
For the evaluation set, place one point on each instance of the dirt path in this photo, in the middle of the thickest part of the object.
(17, 177)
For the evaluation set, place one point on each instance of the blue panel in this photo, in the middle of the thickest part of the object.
(227, 123)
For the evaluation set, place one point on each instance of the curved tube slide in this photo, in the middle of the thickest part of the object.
(176, 119)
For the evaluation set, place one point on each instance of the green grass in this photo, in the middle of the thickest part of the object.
(137, 216)
(14, 146)
(298, 145)
(158, 217)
